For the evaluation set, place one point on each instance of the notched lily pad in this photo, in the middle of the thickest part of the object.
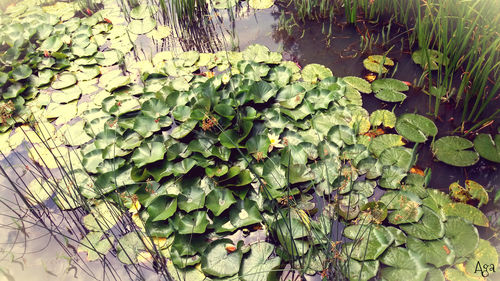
(455, 151)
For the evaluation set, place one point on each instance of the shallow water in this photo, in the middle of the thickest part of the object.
(38, 257)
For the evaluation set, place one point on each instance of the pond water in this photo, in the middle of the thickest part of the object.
(29, 252)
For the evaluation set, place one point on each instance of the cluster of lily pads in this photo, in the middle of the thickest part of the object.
(195, 146)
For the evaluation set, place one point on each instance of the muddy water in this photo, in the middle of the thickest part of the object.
(29, 252)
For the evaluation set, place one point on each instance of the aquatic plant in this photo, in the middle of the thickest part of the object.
(170, 156)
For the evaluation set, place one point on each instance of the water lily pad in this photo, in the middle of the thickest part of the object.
(415, 128)
(389, 89)
(314, 72)
(194, 222)
(382, 142)
(377, 63)
(370, 241)
(142, 11)
(261, 4)
(358, 83)
(437, 252)
(102, 217)
(487, 148)
(219, 199)
(64, 80)
(148, 152)
(403, 264)
(467, 212)
(383, 116)
(463, 236)
(161, 208)
(429, 227)
(142, 26)
(477, 191)
(21, 72)
(183, 129)
(291, 96)
(94, 246)
(485, 254)
(361, 271)
(455, 151)
(217, 261)
(244, 213)
(191, 198)
(424, 56)
(257, 265)
(52, 44)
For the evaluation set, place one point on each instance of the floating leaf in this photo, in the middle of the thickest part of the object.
(219, 199)
(436, 252)
(429, 227)
(94, 246)
(389, 89)
(314, 72)
(424, 56)
(64, 80)
(487, 148)
(102, 217)
(148, 152)
(52, 44)
(377, 63)
(370, 241)
(361, 271)
(477, 191)
(382, 142)
(383, 116)
(467, 212)
(257, 265)
(216, 261)
(142, 26)
(484, 255)
(463, 236)
(403, 264)
(291, 95)
(21, 72)
(453, 150)
(194, 222)
(261, 4)
(359, 84)
(415, 128)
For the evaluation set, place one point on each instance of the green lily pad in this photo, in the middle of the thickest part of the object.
(463, 236)
(142, 11)
(467, 212)
(361, 271)
(194, 222)
(191, 198)
(403, 264)
(415, 128)
(370, 241)
(487, 148)
(423, 56)
(314, 72)
(358, 83)
(64, 80)
(183, 129)
(219, 199)
(244, 213)
(383, 116)
(142, 26)
(437, 252)
(389, 89)
(219, 262)
(429, 227)
(52, 44)
(453, 150)
(377, 63)
(161, 208)
(261, 4)
(477, 191)
(291, 96)
(485, 254)
(39, 191)
(95, 247)
(382, 142)
(148, 152)
(257, 265)
(21, 72)
(102, 217)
